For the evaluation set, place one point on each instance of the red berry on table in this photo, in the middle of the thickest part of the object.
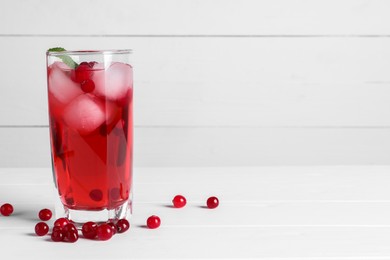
(179, 201)
(45, 214)
(57, 234)
(89, 230)
(104, 232)
(212, 202)
(61, 222)
(71, 236)
(6, 209)
(122, 225)
(41, 229)
(153, 222)
(56, 228)
(69, 227)
(113, 226)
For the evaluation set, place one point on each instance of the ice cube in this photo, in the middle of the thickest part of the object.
(85, 114)
(114, 82)
(63, 66)
(60, 84)
(111, 112)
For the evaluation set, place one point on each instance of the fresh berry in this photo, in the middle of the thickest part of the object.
(71, 236)
(82, 72)
(153, 222)
(113, 227)
(45, 214)
(68, 200)
(6, 209)
(69, 227)
(122, 225)
(41, 229)
(212, 202)
(57, 234)
(87, 85)
(61, 222)
(179, 201)
(115, 193)
(96, 195)
(104, 232)
(89, 230)
(91, 64)
(56, 228)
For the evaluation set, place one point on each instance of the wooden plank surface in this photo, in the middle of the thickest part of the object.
(252, 82)
(318, 213)
(188, 17)
(216, 146)
(222, 82)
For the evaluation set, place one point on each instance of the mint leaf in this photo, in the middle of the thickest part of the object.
(56, 49)
(68, 61)
(65, 58)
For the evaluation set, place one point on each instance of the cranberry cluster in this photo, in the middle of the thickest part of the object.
(64, 230)
(82, 74)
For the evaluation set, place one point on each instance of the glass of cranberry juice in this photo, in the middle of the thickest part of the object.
(90, 97)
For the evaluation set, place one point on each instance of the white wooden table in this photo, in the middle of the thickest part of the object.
(265, 212)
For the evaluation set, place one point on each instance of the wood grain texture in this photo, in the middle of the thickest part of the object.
(205, 146)
(312, 213)
(189, 17)
(222, 82)
(252, 82)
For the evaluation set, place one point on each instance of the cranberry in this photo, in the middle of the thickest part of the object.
(69, 201)
(56, 228)
(92, 63)
(87, 86)
(71, 236)
(61, 222)
(113, 227)
(96, 195)
(179, 201)
(82, 72)
(122, 225)
(153, 222)
(69, 227)
(115, 193)
(89, 230)
(212, 202)
(41, 229)
(57, 234)
(45, 214)
(6, 209)
(104, 232)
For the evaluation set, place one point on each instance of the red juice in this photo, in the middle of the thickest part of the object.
(90, 111)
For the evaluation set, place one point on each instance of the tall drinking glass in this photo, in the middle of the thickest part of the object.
(90, 96)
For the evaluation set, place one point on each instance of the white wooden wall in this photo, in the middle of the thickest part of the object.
(217, 82)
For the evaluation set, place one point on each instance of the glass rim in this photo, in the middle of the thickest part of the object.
(89, 52)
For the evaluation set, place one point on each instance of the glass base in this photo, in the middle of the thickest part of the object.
(79, 217)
